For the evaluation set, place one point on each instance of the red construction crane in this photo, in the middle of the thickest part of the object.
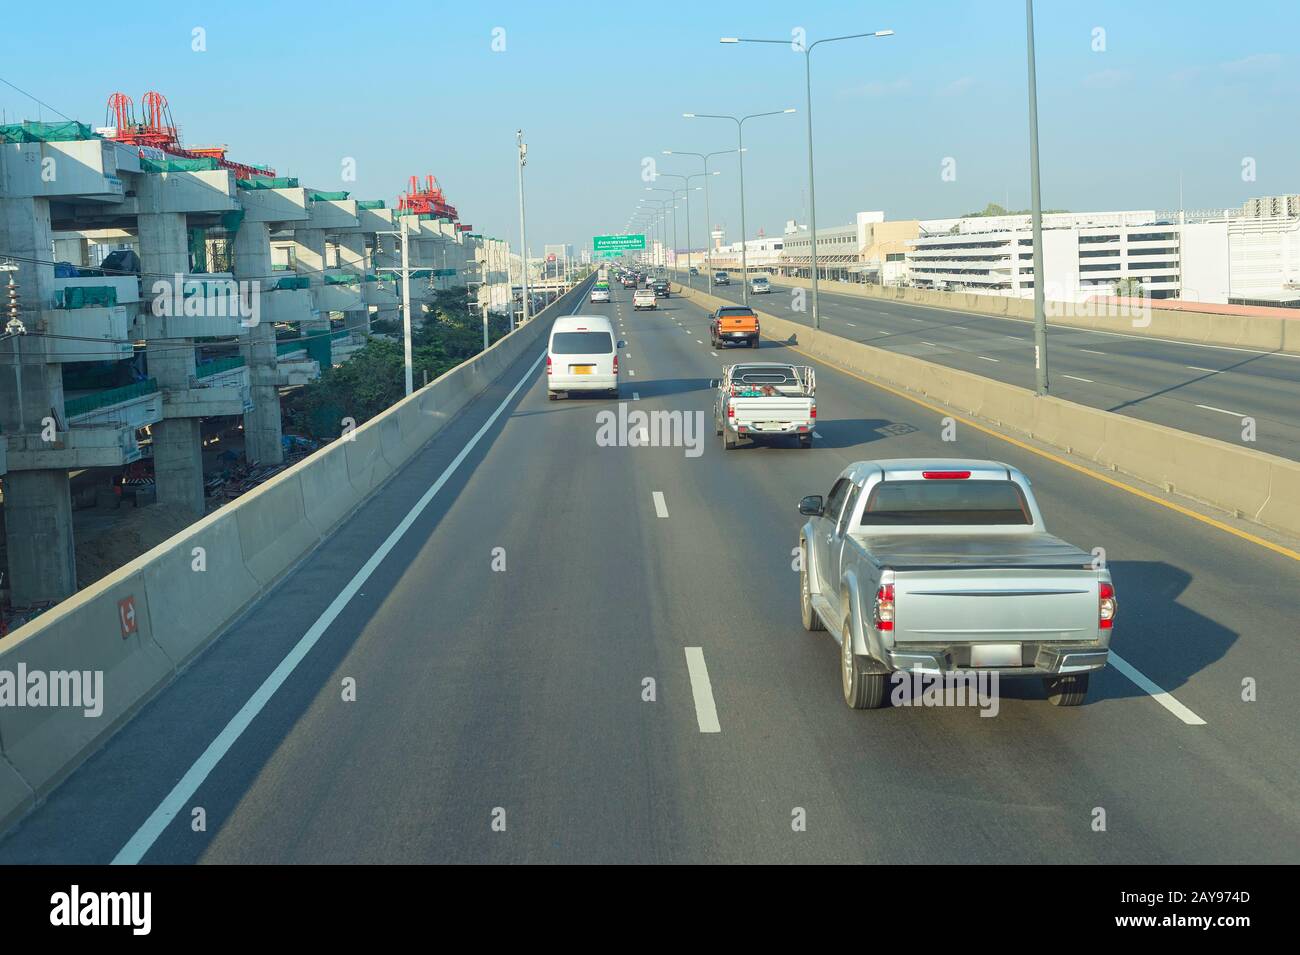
(428, 200)
(158, 131)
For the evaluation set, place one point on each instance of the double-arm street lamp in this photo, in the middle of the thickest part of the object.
(740, 150)
(708, 216)
(806, 50)
(686, 180)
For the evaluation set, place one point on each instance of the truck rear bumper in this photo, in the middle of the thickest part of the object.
(1041, 660)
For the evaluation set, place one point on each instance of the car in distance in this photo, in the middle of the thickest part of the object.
(721, 278)
(643, 298)
(759, 285)
(661, 289)
(600, 292)
(693, 270)
(944, 568)
(582, 356)
(734, 324)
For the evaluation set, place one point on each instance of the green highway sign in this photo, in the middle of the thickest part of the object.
(618, 243)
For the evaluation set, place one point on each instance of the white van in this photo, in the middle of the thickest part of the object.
(582, 355)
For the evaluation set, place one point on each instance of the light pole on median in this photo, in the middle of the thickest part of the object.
(806, 50)
(662, 213)
(676, 194)
(523, 233)
(687, 181)
(740, 151)
(708, 216)
(1036, 217)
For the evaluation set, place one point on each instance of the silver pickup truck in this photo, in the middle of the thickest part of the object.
(765, 399)
(944, 567)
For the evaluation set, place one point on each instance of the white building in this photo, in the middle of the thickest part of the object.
(1216, 256)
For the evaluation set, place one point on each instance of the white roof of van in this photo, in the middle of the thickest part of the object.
(590, 323)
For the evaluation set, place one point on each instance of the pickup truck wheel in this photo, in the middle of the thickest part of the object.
(862, 690)
(811, 621)
(1066, 690)
(753, 343)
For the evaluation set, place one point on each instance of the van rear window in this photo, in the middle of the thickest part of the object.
(582, 343)
(945, 502)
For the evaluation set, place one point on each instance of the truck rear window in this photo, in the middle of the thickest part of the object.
(945, 502)
(582, 343)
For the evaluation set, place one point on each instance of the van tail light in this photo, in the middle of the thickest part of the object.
(945, 475)
(616, 364)
(1106, 606)
(884, 612)
(548, 364)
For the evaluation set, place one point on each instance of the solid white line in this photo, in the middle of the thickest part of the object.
(986, 358)
(174, 802)
(1235, 414)
(1162, 697)
(661, 506)
(1076, 378)
(706, 712)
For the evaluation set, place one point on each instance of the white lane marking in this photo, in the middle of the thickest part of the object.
(1212, 371)
(175, 801)
(931, 344)
(636, 396)
(987, 358)
(1093, 351)
(1076, 378)
(714, 354)
(1162, 697)
(706, 712)
(698, 342)
(661, 506)
(850, 324)
(1235, 414)
(916, 319)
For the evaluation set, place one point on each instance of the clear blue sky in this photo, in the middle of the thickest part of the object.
(408, 88)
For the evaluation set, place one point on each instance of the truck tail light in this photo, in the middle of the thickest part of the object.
(548, 364)
(1105, 606)
(813, 413)
(885, 607)
(945, 475)
(731, 410)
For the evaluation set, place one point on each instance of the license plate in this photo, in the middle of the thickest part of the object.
(773, 426)
(582, 369)
(995, 655)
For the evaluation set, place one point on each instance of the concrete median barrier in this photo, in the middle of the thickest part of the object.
(1231, 326)
(1244, 482)
(137, 625)
(105, 632)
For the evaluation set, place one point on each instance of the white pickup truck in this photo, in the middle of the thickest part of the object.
(942, 567)
(765, 399)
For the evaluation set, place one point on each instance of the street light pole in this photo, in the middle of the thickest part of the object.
(402, 235)
(523, 232)
(1036, 217)
(740, 155)
(806, 50)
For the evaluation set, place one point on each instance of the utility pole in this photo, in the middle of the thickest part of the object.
(523, 231)
(405, 271)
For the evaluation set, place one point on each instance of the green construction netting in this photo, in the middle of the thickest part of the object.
(30, 132)
(268, 182)
(342, 279)
(327, 196)
(370, 204)
(178, 165)
(297, 281)
(231, 221)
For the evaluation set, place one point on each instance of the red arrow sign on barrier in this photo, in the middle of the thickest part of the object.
(126, 616)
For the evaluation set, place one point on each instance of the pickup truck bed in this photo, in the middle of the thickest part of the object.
(969, 552)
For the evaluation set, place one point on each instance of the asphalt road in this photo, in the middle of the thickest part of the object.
(519, 694)
(1199, 388)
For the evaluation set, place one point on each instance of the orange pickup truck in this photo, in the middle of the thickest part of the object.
(734, 323)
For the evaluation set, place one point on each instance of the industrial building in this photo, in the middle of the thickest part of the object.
(150, 288)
